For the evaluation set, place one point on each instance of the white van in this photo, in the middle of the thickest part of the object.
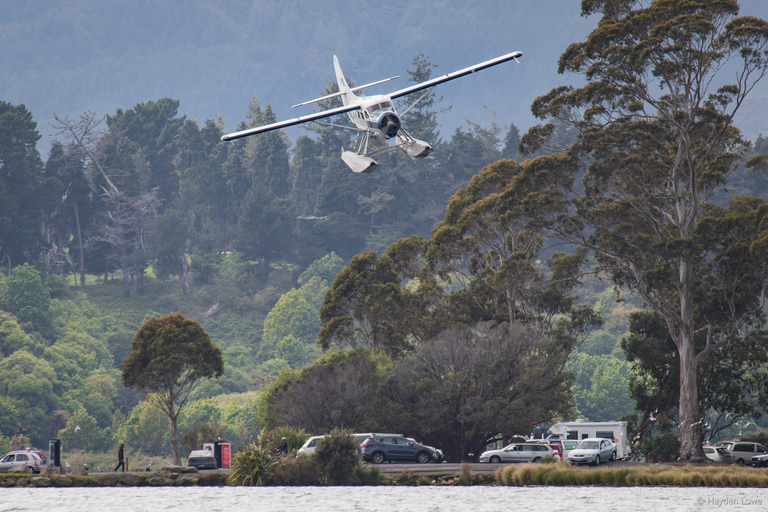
(616, 431)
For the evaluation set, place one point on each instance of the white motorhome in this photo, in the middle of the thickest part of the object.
(578, 430)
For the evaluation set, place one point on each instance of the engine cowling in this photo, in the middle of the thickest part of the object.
(388, 124)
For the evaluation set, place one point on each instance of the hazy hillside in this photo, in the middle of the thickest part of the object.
(66, 57)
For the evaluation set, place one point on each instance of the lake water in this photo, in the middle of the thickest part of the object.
(384, 499)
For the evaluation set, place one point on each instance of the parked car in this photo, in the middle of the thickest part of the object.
(437, 456)
(743, 451)
(39, 453)
(518, 452)
(719, 454)
(395, 448)
(32, 462)
(592, 450)
(760, 461)
(568, 446)
(201, 459)
(309, 445)
(555, 444)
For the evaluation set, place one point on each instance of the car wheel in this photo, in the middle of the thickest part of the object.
(597, 460)
(740, 462)
(422, 457)
(495, 459)
(378, 458)
(536, 460)
(613, 456)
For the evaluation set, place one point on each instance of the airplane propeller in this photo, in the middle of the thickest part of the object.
(389, 124)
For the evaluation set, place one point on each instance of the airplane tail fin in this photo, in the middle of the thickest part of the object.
(344, 90)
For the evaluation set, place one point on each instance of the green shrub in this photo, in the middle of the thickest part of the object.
(294, 471)
(251, 466)
(271, 439)
(337, 457)
(663, 448)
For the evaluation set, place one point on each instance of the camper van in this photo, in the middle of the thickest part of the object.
(616, 431)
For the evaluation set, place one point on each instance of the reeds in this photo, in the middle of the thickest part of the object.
(562, 474)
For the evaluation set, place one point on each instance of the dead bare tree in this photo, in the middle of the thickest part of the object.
(131, 220)
(84, 136)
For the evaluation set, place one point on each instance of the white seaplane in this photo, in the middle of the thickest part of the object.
(373, 117)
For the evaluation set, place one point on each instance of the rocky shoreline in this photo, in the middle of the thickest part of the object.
(171, 476)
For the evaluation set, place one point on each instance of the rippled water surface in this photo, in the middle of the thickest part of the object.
(384, 499)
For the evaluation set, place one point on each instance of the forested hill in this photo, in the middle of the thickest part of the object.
(67, 57)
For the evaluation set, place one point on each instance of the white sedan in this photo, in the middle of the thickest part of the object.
(592, 450)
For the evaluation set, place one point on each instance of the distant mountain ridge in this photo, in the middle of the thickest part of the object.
(67, 57)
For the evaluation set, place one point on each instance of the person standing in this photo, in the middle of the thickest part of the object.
(121, 458)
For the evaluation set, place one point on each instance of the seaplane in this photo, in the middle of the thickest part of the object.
(373, 117)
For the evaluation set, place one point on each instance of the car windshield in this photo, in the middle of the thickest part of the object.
(589, 445)
(200, 453)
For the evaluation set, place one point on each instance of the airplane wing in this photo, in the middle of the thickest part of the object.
(290, 122)
(456, 74)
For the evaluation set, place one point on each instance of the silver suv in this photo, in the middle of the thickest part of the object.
(32, 462)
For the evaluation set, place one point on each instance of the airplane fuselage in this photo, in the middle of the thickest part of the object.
(377, 115)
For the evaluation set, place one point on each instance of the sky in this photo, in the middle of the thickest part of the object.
(66, 57)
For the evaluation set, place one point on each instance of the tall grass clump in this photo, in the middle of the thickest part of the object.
(364, 476)
(674, 476)
(251, 466)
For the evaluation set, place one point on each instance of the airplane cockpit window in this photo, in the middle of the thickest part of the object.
(384, 105)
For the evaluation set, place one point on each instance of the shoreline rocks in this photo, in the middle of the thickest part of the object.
(163, 478)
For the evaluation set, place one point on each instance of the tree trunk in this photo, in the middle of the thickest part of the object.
(125, 273)
(139, 281)
(691, 432)
(80, 246)
(175, 436)
(184, 275)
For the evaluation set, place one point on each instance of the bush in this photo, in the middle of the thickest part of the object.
(663, 448)
(251, 466)
(298, 470)
(271, 439)
(337, 457)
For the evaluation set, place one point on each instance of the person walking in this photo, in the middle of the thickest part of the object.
(121, 458)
